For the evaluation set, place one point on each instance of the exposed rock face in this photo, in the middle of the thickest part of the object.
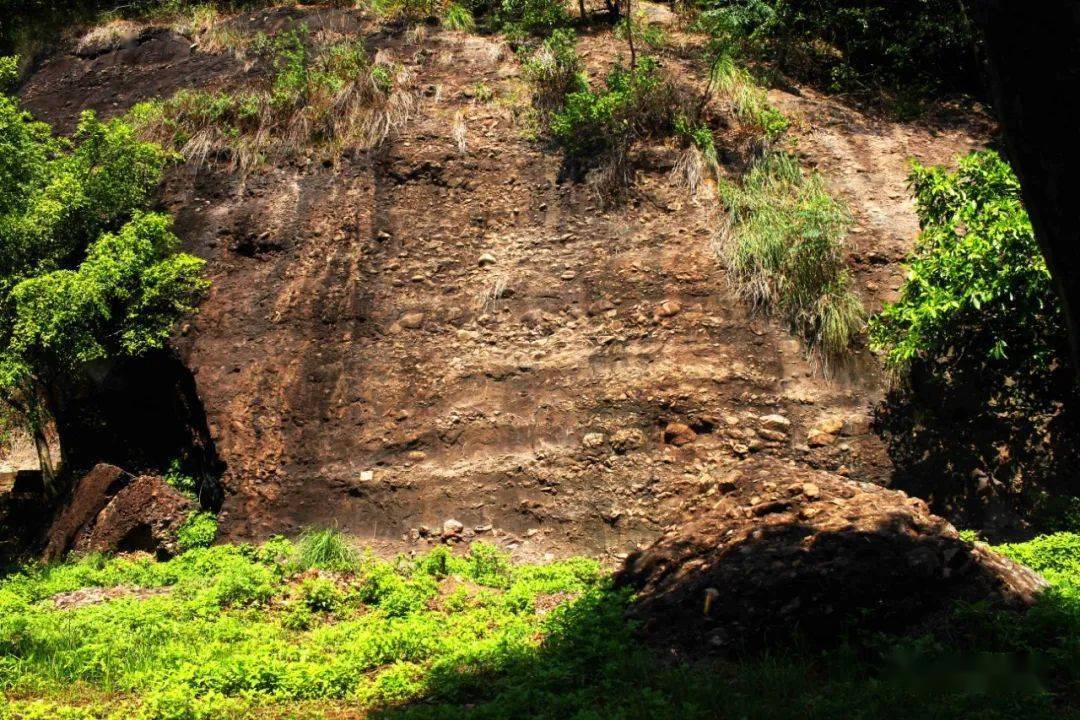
(484, 292)
(785, 551)
(109, 510)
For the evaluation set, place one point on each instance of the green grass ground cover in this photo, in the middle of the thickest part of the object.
(238, 632)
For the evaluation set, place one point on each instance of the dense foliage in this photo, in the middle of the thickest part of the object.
(86, 273)
(854, 44)
(229, 632)
(977, 283)
(977, 342)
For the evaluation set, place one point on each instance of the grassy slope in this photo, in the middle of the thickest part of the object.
(244, 632)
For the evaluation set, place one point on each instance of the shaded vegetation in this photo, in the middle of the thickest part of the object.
(982, 411)
(914, 47)
(241, 632)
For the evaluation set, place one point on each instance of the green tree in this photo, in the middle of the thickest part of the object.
(87, 273)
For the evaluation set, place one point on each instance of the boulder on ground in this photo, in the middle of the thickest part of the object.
(786, 552)
(145, 515)
(88, 498)
(109, 510)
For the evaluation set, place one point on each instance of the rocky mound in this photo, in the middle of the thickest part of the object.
(776, 552)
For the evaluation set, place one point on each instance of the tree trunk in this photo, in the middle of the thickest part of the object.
(44, 455)
(1033, 65)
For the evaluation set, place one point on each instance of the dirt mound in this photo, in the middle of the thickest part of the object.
(111, 511)
(779, 552)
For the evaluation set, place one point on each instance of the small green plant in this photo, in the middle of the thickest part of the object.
(747, 99)
(783, 248)
(699, 160)
(648, 33)
(483, 92)
(325, 549)
(198, 531)
(320, 594)
(179, 480)
(9, 73)
(459, 17)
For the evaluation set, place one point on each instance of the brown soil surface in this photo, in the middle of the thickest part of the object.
(361, 367)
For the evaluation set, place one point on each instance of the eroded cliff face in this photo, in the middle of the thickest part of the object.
(445, 328)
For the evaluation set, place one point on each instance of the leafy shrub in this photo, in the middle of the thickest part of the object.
(977, 344)
(783, 247)
(631, 105)
(977, 283)
(197, 531)
(524, 17)
(325, 549)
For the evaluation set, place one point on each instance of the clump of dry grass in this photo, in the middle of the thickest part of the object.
(783, 245)
(459, 132)
(106, 37)
(327, 96)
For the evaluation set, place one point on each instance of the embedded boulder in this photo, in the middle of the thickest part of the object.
(88, 498)
(780, 552)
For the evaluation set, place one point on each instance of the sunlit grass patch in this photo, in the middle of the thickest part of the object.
(244, 633)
